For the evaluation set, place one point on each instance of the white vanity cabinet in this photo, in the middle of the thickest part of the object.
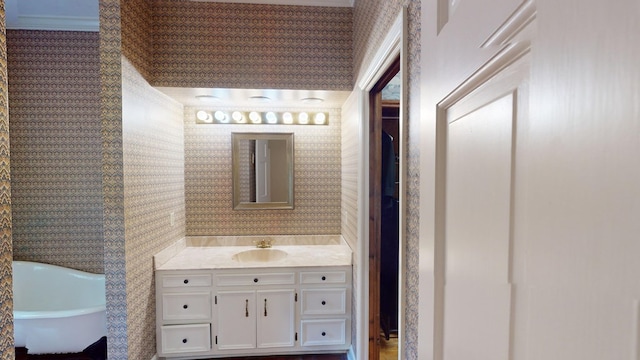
(183, 310)
(254, 310)
(325, 308)
(230, 312)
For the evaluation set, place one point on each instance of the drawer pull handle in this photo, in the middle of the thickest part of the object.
(184, 341)
(255, 280)
(324, 302)
(186, 281)
(324, 278)
(265, 307)
(246, 308)
(185, 306)
(324, 333)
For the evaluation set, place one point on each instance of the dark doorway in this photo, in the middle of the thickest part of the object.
(384, 146)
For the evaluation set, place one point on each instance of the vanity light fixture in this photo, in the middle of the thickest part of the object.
(319, 118)
(204, 117)
(238, 117)
(287, 118)
(303, 118)
(261, 118)
(221, 117)
(271, 117)
(255, 117)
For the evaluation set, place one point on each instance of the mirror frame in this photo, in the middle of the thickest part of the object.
(236, 138)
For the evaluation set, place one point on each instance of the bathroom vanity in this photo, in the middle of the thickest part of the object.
(239, 300)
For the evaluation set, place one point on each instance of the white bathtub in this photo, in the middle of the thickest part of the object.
(57, 309)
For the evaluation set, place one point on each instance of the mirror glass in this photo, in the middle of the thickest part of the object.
(262, 170)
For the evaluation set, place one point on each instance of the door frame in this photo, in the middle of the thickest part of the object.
(375, 211)
(393, 45)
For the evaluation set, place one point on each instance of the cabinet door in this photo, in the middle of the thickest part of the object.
(275, 318)
(236, 327)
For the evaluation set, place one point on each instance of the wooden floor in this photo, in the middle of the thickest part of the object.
(21, 354)
(388, 351)
(389, 348)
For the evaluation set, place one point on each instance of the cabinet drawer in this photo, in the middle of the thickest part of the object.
(186, 338)
(256, 279)
(186, 306)
(322, 301)
(323, 277)
(323, 332)
(186, 280)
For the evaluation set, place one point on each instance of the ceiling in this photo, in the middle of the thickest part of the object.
(83, 15)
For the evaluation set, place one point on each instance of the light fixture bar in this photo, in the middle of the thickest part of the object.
(235, 117)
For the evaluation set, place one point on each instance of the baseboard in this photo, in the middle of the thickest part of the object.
(155, 357)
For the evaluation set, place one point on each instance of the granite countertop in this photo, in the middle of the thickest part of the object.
(205, 255)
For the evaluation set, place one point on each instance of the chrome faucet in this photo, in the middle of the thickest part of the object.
(264, 243)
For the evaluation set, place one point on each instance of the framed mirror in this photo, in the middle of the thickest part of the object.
(262, 170)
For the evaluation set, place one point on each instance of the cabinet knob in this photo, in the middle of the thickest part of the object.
(324, 333)
(324, 278)
(185, 306)
(186, 281)
(184, 341)
(255, 280)
(324, 302)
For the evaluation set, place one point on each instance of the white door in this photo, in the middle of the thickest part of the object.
(276, 320)
(529, 141)
(236, 326)
(263, 171)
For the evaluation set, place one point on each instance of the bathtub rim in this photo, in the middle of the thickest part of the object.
(56, 314)
(35, 314)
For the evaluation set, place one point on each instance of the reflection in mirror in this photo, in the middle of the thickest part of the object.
(262, 170)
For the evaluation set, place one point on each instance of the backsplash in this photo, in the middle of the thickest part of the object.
(208, 183)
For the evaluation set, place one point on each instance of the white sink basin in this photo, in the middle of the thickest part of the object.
(260, 255)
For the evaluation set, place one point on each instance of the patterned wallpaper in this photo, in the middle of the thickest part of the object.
(115, 259)
(6, 298)
(208, 182)
(204, 44)
(56, 151)
(137, 35)
(153, 156)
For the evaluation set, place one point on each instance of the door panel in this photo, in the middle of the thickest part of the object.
(236, 320)
(480, 158)
(276, 322)
(477, 293)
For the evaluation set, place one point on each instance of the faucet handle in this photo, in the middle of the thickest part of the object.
(263, 243)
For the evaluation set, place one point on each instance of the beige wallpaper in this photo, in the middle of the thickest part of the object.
(205, 44)
(137, 35)
(153, 157)
(56, 152)
(115, 259)
(6, 300)
(208, 183)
